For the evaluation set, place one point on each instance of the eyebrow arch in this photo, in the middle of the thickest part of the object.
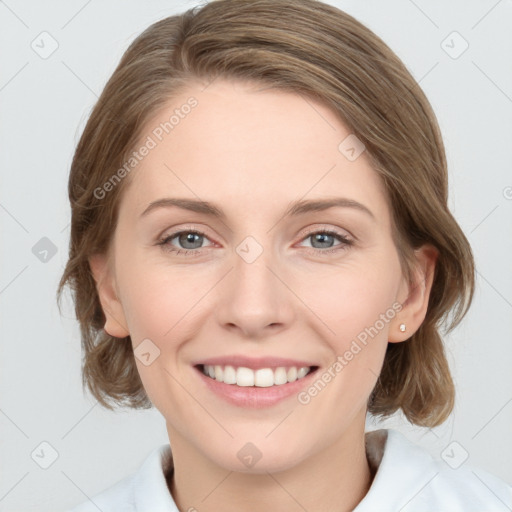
(193, 205)
(296, 208)
(319, 205)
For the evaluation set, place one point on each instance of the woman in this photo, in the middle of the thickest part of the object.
(261, 248)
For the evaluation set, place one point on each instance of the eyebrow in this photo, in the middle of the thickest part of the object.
(296, 208)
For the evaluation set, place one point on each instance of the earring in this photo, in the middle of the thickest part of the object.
(402, 327)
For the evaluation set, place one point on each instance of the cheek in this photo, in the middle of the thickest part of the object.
(156, 301)
(352, 301)
(162, 305)
(158, 307)
(355, 306)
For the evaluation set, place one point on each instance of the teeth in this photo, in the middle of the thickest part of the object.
(262, 378)
(229, 375)
(244, 377)
(302, 372)
(280, 376)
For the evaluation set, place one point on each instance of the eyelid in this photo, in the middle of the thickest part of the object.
(327, 227)
(176, 230)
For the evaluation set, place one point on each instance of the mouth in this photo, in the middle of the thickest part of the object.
(266, 377)
(255, 384)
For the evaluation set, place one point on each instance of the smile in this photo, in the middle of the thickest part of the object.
(262, 377)
(254, 383)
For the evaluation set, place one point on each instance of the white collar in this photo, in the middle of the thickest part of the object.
(407, 479)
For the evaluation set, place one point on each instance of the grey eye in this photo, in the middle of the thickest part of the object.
(324, 240)
(187, 237)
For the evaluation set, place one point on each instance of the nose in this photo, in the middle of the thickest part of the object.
(254, 299)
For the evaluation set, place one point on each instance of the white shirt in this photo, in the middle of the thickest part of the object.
(408, 479)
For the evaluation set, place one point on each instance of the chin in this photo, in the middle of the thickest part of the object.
(257, 455)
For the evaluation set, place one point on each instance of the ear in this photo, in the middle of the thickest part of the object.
(115, 323)
(414, 296)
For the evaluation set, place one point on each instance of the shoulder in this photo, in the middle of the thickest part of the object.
(409, 479)
(144, 490)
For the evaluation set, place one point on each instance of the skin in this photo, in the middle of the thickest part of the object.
(252, 151)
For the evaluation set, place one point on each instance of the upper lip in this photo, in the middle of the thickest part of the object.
(254, 363)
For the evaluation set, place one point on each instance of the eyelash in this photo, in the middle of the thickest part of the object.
(344, 245)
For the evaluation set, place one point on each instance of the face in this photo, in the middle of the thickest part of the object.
(258, 283)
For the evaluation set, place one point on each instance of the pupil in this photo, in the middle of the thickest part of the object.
(189, 238)
(323, 238)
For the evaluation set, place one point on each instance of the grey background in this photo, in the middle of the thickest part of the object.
(44, 103)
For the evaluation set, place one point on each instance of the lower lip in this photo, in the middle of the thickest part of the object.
(255, 397)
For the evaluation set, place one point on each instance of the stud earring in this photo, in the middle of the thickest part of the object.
(402, 327)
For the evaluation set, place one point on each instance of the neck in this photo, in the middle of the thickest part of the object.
(335, 479)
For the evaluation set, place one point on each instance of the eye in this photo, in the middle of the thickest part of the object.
(189, 241)
(323, 241)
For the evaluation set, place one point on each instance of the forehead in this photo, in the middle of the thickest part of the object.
(245, 145)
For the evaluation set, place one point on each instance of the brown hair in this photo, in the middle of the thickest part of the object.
(304, 47)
